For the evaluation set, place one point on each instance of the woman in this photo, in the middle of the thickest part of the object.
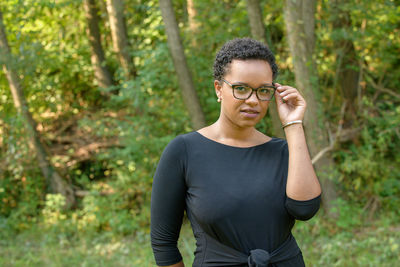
(242, 190)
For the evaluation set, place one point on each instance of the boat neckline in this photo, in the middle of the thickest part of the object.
(239, 147)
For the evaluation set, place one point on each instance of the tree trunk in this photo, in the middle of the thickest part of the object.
(193, 24)
(189, 94)
(347, 62)
(102, 75)
(258, 32)
(54, 181)
(299, 18)
(256, 20)
(115, 9)
(277, 130)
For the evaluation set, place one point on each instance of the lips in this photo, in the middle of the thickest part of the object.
(250, 111)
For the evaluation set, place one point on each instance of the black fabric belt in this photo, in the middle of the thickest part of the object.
(218, 254)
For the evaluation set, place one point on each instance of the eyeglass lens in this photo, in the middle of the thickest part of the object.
(243, 92)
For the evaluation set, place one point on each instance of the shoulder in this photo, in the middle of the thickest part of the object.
(276, 142)
(177, 146)
(278, 147)
(279, 142)
(283, 145)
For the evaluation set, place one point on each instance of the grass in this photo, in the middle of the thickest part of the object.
(39, 247)
(372, 245)
(375, 243)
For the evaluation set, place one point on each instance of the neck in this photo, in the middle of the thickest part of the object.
(226, 130)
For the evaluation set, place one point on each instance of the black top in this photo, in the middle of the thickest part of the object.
(235, 199)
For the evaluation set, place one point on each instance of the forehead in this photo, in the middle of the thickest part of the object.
(249, 70)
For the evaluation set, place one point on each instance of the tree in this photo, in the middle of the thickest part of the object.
(189, 94)
(299, 19)
(347, 62)
(256, 20)
(258, 32)
(101, 73)
(193, 24)
(115, 9)
(55, 182)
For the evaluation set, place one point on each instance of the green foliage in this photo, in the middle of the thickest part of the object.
(20, 184)
(351, 240)
(374, 165)
(52, 57)
(323, 244)
(53, 210)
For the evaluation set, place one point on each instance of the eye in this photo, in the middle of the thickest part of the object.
(265, 90)
(240, 88)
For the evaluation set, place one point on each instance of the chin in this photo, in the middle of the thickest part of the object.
(246, 124)
(242, 122)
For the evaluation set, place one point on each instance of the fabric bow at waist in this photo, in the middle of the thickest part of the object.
(218, 254)
(258, 258)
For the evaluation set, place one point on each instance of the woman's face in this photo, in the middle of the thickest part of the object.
(251, 72)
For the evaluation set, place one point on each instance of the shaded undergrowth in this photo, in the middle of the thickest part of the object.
(323, 243)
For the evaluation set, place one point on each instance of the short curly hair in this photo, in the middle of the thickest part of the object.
(242, 48)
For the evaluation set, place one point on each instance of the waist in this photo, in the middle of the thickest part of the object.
(218, 254)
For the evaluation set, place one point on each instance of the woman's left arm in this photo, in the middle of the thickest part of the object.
(302, 182)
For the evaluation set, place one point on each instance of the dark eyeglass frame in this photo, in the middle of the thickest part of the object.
(253, 89)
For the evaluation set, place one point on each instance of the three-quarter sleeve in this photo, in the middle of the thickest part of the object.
(300, 209)
(303, 209)
(168, 203)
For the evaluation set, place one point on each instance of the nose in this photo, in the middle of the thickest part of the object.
(252, 100)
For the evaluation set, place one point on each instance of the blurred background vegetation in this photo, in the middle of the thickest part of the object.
(90, 94)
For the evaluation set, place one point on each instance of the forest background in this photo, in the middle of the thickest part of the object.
(92, 91)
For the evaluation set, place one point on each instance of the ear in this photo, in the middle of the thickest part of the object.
(218, 88)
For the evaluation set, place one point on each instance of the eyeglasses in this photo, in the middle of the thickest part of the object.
(243, 92)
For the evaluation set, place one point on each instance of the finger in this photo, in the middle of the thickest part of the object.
(290, 96)
(279, 99)
(288, 91)
(284, 88)
(278, 86)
